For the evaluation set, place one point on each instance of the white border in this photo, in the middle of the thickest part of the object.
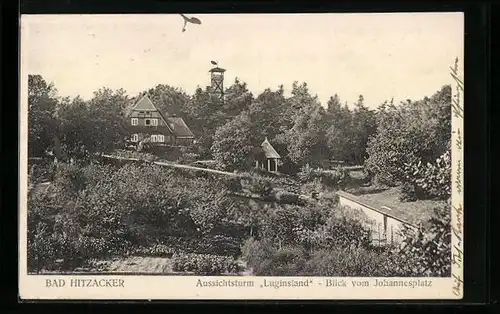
(185, 287)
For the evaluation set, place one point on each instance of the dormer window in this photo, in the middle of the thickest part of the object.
(135, 121)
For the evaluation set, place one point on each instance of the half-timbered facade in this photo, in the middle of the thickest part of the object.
(147, 123)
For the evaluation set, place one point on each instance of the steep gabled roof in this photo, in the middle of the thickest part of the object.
(144, 104)
(179, 127)
(269, 150)
(176, 125)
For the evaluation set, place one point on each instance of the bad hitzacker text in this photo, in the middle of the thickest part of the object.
(85, 283)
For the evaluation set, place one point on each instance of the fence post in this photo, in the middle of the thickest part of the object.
(378, 231)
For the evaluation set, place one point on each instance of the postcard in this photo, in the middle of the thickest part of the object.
(241, 156)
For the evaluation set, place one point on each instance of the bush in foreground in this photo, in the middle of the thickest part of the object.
(204, 264)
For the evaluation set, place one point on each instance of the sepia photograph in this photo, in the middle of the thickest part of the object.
(230, 153)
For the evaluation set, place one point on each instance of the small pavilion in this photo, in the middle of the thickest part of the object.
(267, 158)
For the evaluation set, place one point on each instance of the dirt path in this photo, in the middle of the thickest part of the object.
(171, 164)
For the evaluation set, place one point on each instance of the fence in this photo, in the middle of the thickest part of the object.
(381, 237)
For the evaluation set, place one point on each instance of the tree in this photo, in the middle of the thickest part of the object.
(409, 133)
(306, 140)
(338, 129)
(364, 126)
(42, 125)
(233, 144)
(268, 116)
(237, 99)
(108, 119)
(170, 100)
(75, 129)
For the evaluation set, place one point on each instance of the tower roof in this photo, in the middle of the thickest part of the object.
(217, 69)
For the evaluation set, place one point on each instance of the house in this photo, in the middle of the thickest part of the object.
(267, 158)
(147, 123)
(384, 223)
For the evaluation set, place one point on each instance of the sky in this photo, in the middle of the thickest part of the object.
(381, 56)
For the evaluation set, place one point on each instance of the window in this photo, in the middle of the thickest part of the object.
(135, 121)
(151, 122)
(135, 138)
(153, 138)
(161, 138)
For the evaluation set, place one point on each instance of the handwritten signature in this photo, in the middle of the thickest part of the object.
(457, 223)
(457, 284)
(458, 180)
(457, 108)
(458, 141)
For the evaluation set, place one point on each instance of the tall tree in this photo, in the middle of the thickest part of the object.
(267, 112)
(170, 100)
(409, 133)
(306, 140)
(364, 126)
(237, 99)
(233, 144)
(338, 129)
(42, 125)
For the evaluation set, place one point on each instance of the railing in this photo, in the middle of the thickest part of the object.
(381, 237)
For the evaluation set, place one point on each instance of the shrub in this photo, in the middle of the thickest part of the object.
(335, 177)
(69, 177)
(204, 264)
(285, 197)
(233, 184)
(408, 193)
(312, 187)
(218, 245)
(332, 178)
(157, 250)
(187, 158)
(287, 261)
(259, 185)
(307, 174)
(349, 261)
(434, 180)
(427, 251)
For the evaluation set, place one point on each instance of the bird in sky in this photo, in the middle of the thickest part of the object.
(192, 20)
(214, 62)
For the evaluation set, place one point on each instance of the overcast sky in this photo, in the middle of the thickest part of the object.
(378, 55)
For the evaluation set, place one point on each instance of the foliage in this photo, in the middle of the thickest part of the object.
(157, 250)
(266, 260)
(285, 197)
(409, 133)
(42, 122)
(233, 184)
(258, 185)
(427, 251)
(433, 179)
(135, 154)
(343, 262)
(332, 178)
(306, 138)
(233, 145)
(123, 206)
(204, 264)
